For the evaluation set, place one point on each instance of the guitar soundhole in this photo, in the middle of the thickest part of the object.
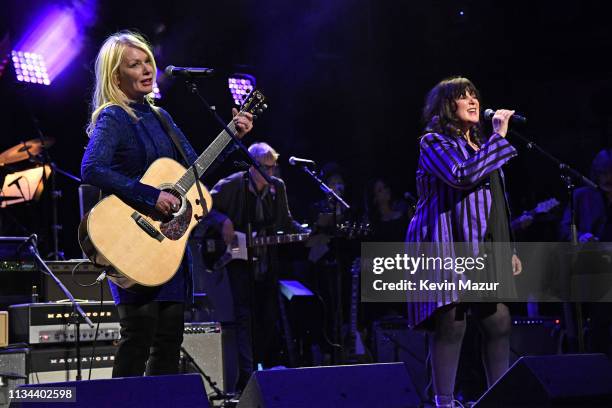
(175, 226)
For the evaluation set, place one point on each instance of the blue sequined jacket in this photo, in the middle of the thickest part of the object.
(118, 154)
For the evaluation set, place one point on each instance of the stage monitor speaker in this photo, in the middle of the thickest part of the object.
(168, 391)
(12, 372)
(575, 380)
(393, 341)
(4, 329)
(368, 385)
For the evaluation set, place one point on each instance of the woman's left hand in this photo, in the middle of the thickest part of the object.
(517, 266)
(243, 122)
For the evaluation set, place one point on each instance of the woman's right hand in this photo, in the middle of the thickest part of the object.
(500, 121)
(167, 203)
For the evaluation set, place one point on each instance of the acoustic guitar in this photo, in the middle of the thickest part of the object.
(145, 247)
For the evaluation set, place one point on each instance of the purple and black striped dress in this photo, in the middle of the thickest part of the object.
(455, 203)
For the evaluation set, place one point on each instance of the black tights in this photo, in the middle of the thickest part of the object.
(445, 346)
(151, 338)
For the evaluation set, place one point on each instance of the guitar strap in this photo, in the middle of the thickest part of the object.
(175, 138)
(170, 131)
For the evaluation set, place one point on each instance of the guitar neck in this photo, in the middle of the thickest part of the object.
(354, 289)
(205, 160)
(279, 239)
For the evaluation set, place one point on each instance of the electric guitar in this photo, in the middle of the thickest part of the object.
(145, 247)
(221, 254)
(217, 254)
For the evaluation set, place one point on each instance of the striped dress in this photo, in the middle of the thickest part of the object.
(454, 203)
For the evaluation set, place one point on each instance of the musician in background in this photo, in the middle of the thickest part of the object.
(388, 215)
(594, 223)
(125, 138)
(593, 206)
(269, 214)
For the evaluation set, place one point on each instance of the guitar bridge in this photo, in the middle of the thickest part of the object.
(147, 227)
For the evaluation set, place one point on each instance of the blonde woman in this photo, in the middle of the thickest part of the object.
(125, 138)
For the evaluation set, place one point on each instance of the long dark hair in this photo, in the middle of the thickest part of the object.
(439, 114)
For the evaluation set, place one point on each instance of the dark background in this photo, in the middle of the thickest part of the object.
(345, 82)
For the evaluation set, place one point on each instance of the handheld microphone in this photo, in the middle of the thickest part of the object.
(16, 181)
(488, 114)
(296, 161)
(188, 72)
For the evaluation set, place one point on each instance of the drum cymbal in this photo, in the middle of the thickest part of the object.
(25, 150)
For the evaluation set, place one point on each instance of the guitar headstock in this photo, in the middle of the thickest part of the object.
(255, 103)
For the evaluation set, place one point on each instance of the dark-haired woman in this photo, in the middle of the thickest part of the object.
(461, 199)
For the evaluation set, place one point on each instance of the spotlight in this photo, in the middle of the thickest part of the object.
(30, 67)
(156, 93)
(241, 85)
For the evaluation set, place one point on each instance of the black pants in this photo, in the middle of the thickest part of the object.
(151, 338)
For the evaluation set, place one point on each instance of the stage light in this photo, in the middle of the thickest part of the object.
(30, 67)
(159, 78)
(53, 39)
(241, 85)
(156, 93)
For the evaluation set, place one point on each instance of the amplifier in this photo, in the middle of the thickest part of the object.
(60, 363)
(74, 273)
(534, 336)
(18, 272)
(45, 323)
(212, 347)
(4, 329)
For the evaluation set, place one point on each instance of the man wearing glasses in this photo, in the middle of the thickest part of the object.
(269, 214)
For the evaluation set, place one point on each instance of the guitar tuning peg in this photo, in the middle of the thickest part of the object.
(259, 111)
(265, 106)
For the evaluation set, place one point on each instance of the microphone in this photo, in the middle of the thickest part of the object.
(16, 181)
(188, 72)
(488, 114)
(296, 161)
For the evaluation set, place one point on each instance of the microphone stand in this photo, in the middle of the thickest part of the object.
(193, 88)
(573, 319)
(77, 311)
(44, 158)
(337, 203)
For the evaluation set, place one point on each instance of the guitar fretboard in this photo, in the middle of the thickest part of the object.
(203, 162)
(279, 239)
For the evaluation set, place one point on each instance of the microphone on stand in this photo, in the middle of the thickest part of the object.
(296, 161)
(488, 114)
(189, 72)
